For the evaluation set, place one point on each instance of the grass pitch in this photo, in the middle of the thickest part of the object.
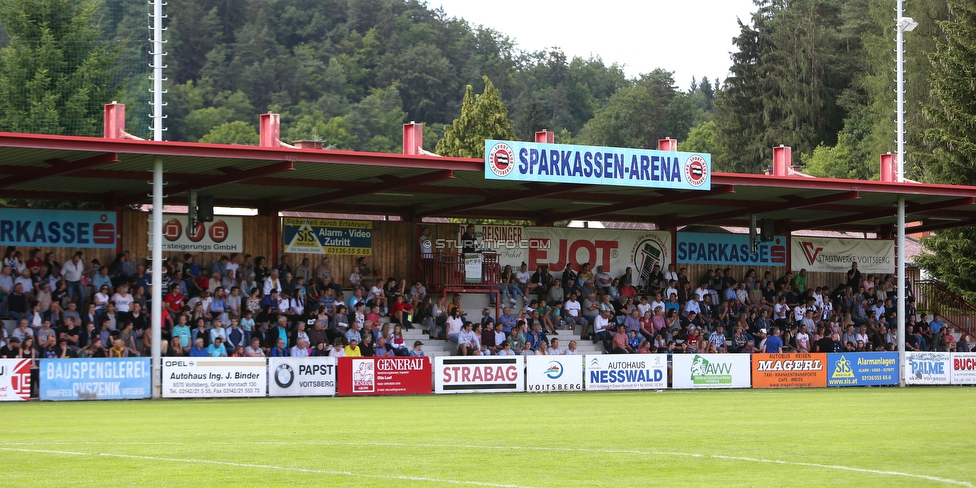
(826, 437)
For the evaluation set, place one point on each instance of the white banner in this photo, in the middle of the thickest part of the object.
(824, 255)
(214, 377)
(927, 368)
(553, 373)
(314, 376)
(15, 380)
(711, 371)
(615, 250)
(224, 234)
(481, 374)
(964, 368)
(626, 372)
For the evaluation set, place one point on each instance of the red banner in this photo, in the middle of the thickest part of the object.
(384, 376)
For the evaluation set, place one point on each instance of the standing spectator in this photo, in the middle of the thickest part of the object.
(72, 273)
(773, 344)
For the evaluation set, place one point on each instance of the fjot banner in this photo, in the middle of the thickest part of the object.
(836, 255)
(15, 380)
(615, 250)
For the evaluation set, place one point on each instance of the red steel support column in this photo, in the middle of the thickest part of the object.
(413, 138)
(545, 136)
(889, 168)
(270, 129)
(667, 144)
(782, 160)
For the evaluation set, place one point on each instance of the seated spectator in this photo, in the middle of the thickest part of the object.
(467, 341)
(217, 349)
(254, 350)
(338, 350)
(418, 349)
(619, 342)
(300, 349)
(279, 350)
(198, 349)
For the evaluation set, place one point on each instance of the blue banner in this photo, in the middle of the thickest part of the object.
(862, 369)
(57, 228)
(729, 249)
(591, 165)
(95, 379)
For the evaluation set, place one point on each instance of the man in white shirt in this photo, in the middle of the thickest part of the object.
(272, 282)
(72, 272)
(6, 286)
(803, 338)
(658, 302)
(572, 308)
(602, 331)
(554, 349)
(671, 275)
(693, 305)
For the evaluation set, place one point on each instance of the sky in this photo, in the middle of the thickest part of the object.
(692, 38)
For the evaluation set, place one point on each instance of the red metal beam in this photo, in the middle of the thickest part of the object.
(227, 151)
(777, 206)
(910, 208)
(59, 168)
(209, 181)
(866, 186)
(365, 188)
(534, 191)
(934, 225)
(665, 197)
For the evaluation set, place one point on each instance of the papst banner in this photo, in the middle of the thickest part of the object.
(824, 255)
(224, 234)
(15, 380)
(615, 250)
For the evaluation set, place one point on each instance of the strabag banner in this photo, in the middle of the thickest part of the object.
(95, 379)
(328, 236)
(691, 371)
(384, 376)
(214, 377)
(592, 165)
(729, 249)
(927, 368)
(312, 376)
(15, 380)
(626, 372)
(615, 250)
(57, 228)
(553, 373)
(481, 374)
(836, 255)
(964, 368)
(862, 369)
(794, 370)
(224, 234)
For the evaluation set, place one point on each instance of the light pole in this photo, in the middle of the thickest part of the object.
(904, 24)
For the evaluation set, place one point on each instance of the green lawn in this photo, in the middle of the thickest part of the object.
(830, 437)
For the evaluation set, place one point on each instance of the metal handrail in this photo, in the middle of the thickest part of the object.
(934, 297)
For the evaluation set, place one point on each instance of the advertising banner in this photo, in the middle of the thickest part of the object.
(472, 268)
(836, 255)
(553, 373)
(479, 374)
(626, 372)
(384, 376)
(963, 368)
(15, 380)
(57, 228)
(711, 371)
(95, 379)
(615, 250)
(927, 368)
(862, 369)
(314, 376)
(729, 249)
(794, 370)
(224, 234)
(214, 377)
(591, 165)
(328, 236)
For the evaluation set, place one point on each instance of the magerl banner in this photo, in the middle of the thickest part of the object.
(793, 370)
(824, 255)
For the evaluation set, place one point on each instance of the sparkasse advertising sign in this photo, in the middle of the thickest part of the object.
(484, 374)
(553, 373)
(691, 371)
(384, 376)
(310, 376)
(626, 372)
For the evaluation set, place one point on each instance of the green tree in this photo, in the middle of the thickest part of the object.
(482, 117)
(952, 142)
(236, 132)
(55, 74)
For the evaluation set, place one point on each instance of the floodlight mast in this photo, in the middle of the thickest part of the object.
(903, 25)
(157, 196)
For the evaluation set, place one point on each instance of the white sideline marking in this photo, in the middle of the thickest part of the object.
(264, 466)
(470, 446)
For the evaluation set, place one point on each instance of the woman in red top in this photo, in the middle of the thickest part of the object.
(400, 312)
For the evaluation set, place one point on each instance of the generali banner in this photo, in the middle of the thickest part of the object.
(615, 250)
(818, 254)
